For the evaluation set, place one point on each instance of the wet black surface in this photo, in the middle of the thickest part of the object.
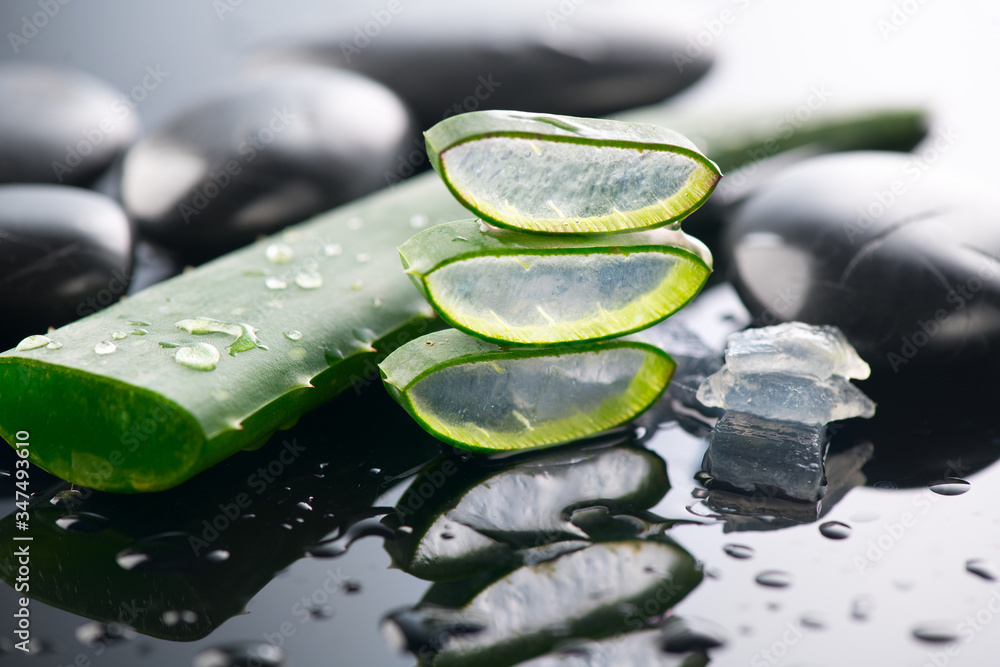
(896, 565)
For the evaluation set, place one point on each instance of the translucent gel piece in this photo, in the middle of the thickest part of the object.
(567, 187)
(795, 348)
(788, 397)
(558, 298)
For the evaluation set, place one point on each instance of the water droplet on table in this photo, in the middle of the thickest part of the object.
(105, 347)
(139, 332)
(138, 323)
(861, 608)
(332, 249)
(950, 486)
(199, 356)
(167, 344)
(351, 586)
(982, 568)
(740, 551)
(293, 335)
(937, 632)
(835, 530)
(813, 620)
(279, 253)
(119, 335)
(53, 346)
(774, 579)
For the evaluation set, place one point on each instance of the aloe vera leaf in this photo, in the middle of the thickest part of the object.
(567, 175)
(733, 140)
(322, 301)
(514, 288)
(85, 411)
(471, 523)
(242, 506)
(483, 397)
(595, 592)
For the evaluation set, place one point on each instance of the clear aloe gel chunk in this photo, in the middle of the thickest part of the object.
(514, 288)
(479, 396)
(566, 175)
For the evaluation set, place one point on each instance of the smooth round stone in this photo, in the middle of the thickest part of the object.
(283, 146)
(59, 125)
(899, 255)
(65, 252)
(574, 58)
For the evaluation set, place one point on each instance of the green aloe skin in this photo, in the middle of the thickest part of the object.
(147, 393)
(137, 419)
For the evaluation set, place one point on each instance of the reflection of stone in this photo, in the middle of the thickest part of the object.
(761, 511)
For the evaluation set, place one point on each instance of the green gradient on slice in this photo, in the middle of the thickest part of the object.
(565, 175)
(523, 289)
(479, 396)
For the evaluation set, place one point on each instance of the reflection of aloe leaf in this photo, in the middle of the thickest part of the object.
(484, 397)
(635, 648)
(595, 592)
(209, 545)
(465, 523)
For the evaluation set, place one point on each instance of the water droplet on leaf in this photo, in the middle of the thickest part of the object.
(199, 357)
(105, 347)
(309, 280)
(279, 253)
(33, 343)
(275, 283)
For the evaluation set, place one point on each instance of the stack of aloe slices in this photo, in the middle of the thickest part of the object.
(576, 247)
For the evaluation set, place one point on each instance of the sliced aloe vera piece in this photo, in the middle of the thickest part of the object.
(479, 396)
(525, 289)
(566, 175)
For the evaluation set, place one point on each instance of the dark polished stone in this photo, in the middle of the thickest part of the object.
(64, 253)
(59, 125)
(899, 254)
(583, 59)
(288, 144)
